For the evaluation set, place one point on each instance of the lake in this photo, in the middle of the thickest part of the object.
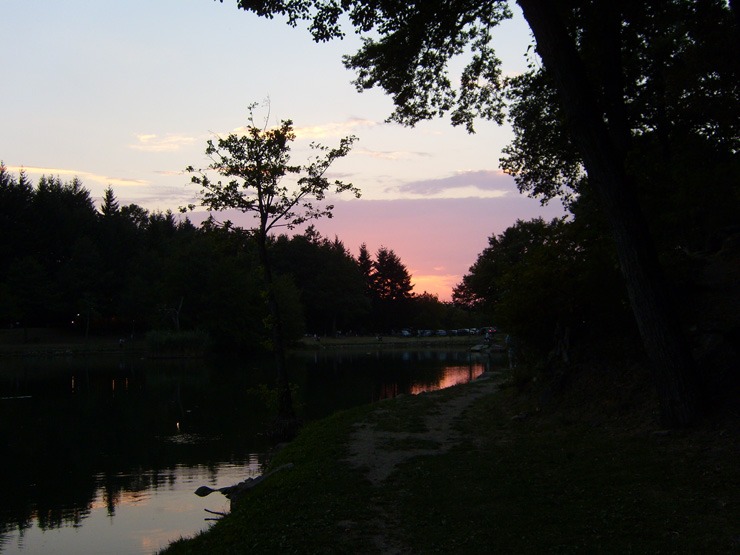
(102, 455)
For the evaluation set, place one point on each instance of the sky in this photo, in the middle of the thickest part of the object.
(126, 94)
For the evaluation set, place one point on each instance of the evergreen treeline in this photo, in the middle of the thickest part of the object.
(124, 269)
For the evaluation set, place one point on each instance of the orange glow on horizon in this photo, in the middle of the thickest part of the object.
(436, 285)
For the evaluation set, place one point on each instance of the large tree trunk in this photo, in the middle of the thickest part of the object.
(286, 414)
(670, 357)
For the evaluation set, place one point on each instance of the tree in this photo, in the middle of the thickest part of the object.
(407, 50)
(110, 204)
(391, 278)
(255, 165)
(332, 289)
(391, 291)
(593, 103)
(537, 277)
(365, 266)
(16, 196)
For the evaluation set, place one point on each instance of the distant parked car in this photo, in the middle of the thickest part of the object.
(464, 331)
(441, 333)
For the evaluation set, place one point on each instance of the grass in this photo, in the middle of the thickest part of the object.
(525, 479)
(539, 486)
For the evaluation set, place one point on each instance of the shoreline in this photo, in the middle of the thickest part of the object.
(48, 343)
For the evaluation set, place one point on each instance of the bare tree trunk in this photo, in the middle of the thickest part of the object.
(670, 357)
(286, 414)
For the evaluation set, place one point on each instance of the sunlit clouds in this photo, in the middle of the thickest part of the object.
(84, 176)
(391, 155)
(168, 143)
(340, 129)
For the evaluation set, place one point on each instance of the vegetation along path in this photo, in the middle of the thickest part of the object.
(486, 467)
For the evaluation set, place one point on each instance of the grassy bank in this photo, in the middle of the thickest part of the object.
(53, 342)
(389, 341)
(520, 476)
(50, 342)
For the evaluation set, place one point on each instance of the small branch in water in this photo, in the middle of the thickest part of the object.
(220, 515)
(214, 513)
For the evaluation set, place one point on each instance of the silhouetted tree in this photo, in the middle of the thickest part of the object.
(332, 289)
(255, 165)
(588, 51)
(110, 204)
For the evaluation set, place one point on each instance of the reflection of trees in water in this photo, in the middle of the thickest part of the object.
(346, 378)
(104, 432)
(113, 435)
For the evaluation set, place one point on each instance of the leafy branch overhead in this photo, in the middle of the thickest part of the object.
(257, 176)
(407, 48)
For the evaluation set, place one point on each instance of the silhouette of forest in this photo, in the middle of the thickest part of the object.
(122, 269)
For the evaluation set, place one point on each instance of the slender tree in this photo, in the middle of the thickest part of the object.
(365, 265)
(255, 166)
(109, 207)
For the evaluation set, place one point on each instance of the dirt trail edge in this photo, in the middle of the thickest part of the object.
(377, 452)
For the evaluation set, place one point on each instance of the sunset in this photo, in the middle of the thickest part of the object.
(128, 96)
(369, 277)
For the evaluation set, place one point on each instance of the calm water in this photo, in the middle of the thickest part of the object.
(103, 455)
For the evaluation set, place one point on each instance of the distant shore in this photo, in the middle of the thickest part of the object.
(54, 342)
(390, 341)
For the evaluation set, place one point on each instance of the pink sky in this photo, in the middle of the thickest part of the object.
(438, 239)
(134, 99)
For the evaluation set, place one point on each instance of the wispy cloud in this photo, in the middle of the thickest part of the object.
(489, 183)
(168, 143)
(169, 172)
(339, 129)
(391, 154)
(83, 175)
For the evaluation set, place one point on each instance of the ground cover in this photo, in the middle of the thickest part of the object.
(484, 468)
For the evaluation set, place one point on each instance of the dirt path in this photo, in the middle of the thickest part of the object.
(377, 452)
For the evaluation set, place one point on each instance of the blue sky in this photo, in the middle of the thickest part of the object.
(127, 93)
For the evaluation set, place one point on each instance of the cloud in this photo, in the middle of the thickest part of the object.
(83, 175)
(333, 129)
(169, 172)
(391, 155)
(168, 143)
(488, 183)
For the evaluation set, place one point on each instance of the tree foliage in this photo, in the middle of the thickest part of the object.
(406, 50)
(539, 276)
(665, 74)
(256, 165)
(618, 81)
(126, 270)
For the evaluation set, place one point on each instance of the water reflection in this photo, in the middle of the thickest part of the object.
(103, 455)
